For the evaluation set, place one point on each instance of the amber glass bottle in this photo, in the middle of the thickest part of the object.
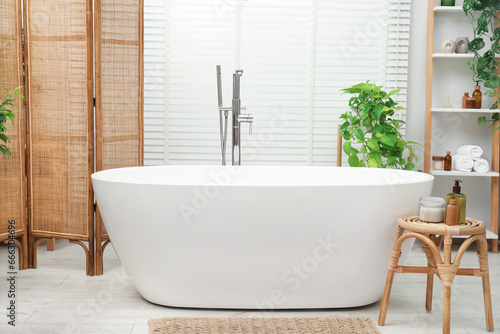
(464, 98)
(447, 161)
(478, 96)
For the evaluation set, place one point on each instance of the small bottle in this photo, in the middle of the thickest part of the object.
(464, 99)
(452, 213)
(478, 95)
(447, 161)
(461, 201)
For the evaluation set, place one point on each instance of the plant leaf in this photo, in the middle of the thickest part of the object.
(392, 92)
(4, 138)
(410, 166)
(481, 120)
(387, 140)
(347, 147)
(353, 161)
(360, 135)
(373, 145)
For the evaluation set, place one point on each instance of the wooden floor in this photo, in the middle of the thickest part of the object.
(59, 298)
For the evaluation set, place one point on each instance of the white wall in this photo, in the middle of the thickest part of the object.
(455, 131)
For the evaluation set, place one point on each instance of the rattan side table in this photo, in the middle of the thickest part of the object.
(432, 236)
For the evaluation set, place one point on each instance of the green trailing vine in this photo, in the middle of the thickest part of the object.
(7, 106)
(484, 65)
(372, 137)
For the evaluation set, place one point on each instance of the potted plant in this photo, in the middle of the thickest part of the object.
(484, 14)
(7, 116)
(372, 136)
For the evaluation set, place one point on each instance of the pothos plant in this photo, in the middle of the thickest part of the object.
(7, 106)
(484, 65)
(372, 136)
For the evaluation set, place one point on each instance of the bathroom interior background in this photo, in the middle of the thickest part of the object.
(296, 56)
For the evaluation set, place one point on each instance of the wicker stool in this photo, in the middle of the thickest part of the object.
(432, 236)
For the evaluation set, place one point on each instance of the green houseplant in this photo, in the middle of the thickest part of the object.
(372, 136)
(7, 106)
(484, 14)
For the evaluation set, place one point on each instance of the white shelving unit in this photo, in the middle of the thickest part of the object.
(466, 174)
(450, 17)
(471, 111)
(448, 9)
(458, 56)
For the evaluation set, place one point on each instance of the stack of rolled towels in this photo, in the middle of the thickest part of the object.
(468, 158)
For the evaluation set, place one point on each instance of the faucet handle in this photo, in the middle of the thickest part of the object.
(248, 118)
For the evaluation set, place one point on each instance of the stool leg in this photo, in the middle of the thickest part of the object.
(428, 292)
(430, 276)
(395, 255)
(446, 309)
(446, 280)
(482, 253)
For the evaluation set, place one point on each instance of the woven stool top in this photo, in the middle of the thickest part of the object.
(470, 227)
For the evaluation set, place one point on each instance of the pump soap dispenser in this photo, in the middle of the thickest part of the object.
(461, 201)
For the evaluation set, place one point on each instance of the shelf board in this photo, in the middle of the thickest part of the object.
(463, 56)
(489, 235)
(449, 9)
(472, 111)
(457, 173)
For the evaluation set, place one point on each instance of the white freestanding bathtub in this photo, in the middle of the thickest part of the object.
(256, 237)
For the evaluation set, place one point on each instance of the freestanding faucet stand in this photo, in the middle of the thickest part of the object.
(237, 119)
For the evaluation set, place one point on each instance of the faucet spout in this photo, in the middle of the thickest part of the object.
(236, 83)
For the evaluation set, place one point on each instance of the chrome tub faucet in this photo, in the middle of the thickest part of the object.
(237, 118)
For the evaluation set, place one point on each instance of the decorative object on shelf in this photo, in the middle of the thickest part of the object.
(369, 122)
(461, 199)
(464, 100)
(447, 161)
(448, 103)
(478, 95)
(447, 2)
(448, 46)
(432, 209)
(437, 163)
(472, 151)
(485, 25)
(462, 163)
(481, 166)
(7, 105)
(470, 103)
(462, 45)
(452, 213)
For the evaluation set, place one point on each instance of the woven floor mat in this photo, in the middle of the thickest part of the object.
(282, 325)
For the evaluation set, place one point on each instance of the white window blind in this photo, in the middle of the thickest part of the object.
(296, 56)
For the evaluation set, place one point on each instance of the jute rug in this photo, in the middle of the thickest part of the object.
(283, 325)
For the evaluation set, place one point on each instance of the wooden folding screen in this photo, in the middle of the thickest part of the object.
(60, 129)
(119, 40)
(12, 170)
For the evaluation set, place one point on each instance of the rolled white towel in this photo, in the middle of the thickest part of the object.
(462, 163)
(481, 166)
(471, 151)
